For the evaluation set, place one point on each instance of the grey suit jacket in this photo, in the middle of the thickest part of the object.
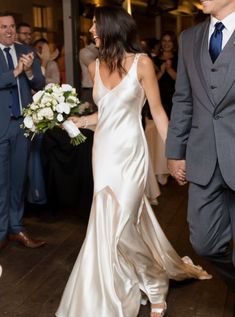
(202, 126)
(7, 81)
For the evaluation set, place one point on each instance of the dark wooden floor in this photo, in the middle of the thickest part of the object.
(33, 280)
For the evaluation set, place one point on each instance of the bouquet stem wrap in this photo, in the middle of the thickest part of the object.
(74, 133)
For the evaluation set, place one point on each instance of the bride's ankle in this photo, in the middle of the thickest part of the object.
(158, 310)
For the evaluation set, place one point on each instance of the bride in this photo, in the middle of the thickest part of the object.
(125, 253)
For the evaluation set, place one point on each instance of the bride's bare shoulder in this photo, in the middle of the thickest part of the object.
(145, 61)
(145, 65)
(91, 69)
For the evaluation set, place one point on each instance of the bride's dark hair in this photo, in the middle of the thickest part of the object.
(118, 34)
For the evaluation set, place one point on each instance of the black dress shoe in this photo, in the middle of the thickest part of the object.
(26, 240)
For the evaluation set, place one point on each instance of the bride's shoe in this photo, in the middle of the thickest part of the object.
(158, 311)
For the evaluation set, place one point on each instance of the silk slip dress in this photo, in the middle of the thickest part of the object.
(125, 253)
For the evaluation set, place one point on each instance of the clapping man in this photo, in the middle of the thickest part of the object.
(20, 72)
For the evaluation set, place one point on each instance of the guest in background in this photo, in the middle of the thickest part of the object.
(166, 63)
(81, 43)
(145, 46)
(161, 52)
(61, 64)
(154, 46)
(49, 66)
(87, 55)
(19, 73)
(24, 33)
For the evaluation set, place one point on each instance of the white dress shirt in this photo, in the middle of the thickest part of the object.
(228, 22)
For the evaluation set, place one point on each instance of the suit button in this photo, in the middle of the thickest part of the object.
(213, 87)
(213, 69)
(217, 117)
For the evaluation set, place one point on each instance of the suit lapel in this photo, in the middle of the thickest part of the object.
(3, 62)
(228, 54)
(201, 48)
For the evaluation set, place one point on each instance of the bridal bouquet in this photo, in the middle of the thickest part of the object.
(51, 108)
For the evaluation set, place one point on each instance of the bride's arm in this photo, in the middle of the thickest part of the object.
(85, 121)
(90, 120)
(149, 82)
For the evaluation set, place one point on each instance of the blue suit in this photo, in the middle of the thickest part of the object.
(13, 143)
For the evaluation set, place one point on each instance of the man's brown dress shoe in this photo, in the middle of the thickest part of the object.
(3, 243)
(26, 240)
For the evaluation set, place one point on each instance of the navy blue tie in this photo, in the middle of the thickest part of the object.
(216, 41)
(15, 106)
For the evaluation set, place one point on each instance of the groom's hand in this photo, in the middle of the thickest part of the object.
(177, 170)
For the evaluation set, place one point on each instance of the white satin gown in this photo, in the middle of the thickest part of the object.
(125, 252)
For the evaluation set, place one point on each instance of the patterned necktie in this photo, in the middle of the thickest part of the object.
(216, 41)
(15, 106)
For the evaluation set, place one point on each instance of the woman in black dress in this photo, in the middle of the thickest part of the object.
(166, 64)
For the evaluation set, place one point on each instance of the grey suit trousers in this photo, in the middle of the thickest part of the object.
(211, 218)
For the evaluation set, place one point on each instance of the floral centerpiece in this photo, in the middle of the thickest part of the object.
(51, 108)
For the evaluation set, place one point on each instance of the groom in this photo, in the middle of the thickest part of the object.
(201, 138)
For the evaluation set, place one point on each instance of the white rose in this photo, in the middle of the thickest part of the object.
(47, 113)
(57, 90)
(28, 122)
(33, 106)
(66, 87)
(38, 95)
(49, 86)
(46, 98)
(63, 107)
(58, 97)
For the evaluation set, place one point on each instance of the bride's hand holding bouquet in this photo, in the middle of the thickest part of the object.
(80, 122)
(55, 106)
